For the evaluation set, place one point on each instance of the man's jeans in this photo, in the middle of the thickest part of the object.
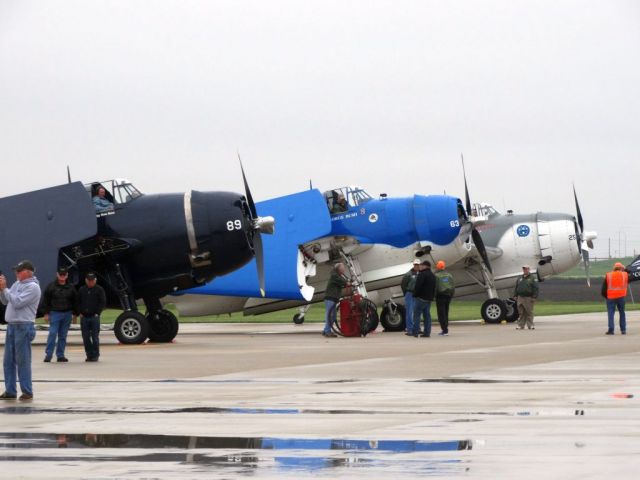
(17, 357)
(59, 323)
(408, 311)
(611, 311)
(421, 308)
(330, 315)
(90, 327)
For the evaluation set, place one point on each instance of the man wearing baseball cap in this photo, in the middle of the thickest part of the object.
(526, 293)
(91, 301)
(60, 299)
(407, 285)
(614, 289)
(22, 304)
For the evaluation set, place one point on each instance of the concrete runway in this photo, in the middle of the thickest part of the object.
(281, 401)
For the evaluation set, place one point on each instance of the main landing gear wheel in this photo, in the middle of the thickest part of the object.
(512, 310)
(392, 319)
(163, 326)
(298, 319)
(131, 328)
(493, 310)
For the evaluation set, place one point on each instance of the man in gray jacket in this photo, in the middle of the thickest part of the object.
(22, 304)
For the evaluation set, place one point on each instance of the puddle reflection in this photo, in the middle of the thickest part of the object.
(240, 453)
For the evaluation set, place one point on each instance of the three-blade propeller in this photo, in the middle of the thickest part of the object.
(259, 226)
(584, 239)
(475, 234)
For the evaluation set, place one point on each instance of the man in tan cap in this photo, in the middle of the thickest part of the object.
(526, 293)
(614, 289)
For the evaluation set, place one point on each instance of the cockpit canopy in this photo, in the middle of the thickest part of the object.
(483, 210)
(118, 191)
(353, 195)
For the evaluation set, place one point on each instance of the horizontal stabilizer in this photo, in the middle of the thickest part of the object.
(634, 270)
(300, 218)
(35, 225)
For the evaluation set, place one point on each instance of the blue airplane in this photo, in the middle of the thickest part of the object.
(352, 220)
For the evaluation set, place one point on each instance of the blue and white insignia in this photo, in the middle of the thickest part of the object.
(373, 218)
(523, 230)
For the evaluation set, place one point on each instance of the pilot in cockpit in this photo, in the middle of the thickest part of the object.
(100, 201)
(339, 204)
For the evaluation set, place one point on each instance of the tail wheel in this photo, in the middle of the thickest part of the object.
(493, 310)
(298, 319)
(131, 328)
(393, 317)
(163, 326)
(512, 310)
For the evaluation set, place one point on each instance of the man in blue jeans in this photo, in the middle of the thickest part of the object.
(332, 293)
(407, 285)
(423, 294)
(614, 289)
(22, 304)
(60, 299)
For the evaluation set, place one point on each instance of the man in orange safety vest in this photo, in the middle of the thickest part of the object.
(614, 289)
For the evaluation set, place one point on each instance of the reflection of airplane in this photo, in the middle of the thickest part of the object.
(489, 262)
(145, 246)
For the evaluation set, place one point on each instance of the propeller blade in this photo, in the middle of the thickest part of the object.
(578, 214)
(258, 252)
(585, 261)
(247, 192)
(68, 174)
(466, 189)
(477, 241)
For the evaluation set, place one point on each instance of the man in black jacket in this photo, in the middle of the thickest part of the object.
(60, 299)
(91, 301)
(423, 294)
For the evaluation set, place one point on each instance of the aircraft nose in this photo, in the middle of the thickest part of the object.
(220, 231)
(437, 218)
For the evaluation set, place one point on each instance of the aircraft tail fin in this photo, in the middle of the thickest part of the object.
(301, 217)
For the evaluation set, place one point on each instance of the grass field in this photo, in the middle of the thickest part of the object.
(460, 310)
(597, 269)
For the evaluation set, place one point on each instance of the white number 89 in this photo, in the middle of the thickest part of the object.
(234, 225)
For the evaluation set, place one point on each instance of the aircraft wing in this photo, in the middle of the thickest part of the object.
(300, 218)
(35, 225)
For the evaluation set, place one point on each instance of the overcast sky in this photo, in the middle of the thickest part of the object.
(383, 94)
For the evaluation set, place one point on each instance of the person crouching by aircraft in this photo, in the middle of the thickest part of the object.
(337, 281)
(423, 294)
(91, 301)
(60, 299)
(22, 301)
(614, 289)
(445, 289)
(526, 293)
(407, 285)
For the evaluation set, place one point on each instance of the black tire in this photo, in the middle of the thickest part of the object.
(393, 321)
(512, 310)
(493, 310)
(163, 326)
(298, 319)
(370, 319)
(131, 328)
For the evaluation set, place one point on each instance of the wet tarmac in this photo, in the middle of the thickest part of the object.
(278, 401)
